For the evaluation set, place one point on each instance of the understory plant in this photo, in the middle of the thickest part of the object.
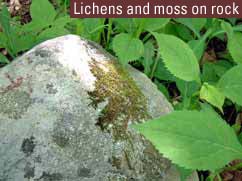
(176, 54)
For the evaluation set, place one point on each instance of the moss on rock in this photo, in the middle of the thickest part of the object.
(125, 101)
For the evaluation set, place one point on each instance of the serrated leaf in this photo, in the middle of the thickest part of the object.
(42, 11)
(193, 140)
(234, 46)
(162, 73)
(178, 57)
(212, 95)
(127, 48)
(231, 84)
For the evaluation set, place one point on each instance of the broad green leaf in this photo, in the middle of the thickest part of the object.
(192, 139)
(92, 28)
(127, 24)
(35, 27)
(42, 11)
(231, 84)
(51, 33)
(183, 32)
(153, 24)
(178, 57)
(187, 89)
(5, 24)
(221, 67)
(24, 42)
(3, 59)
(5, 20)
(234, 46)
(212, 95)
(195, 24)
(62, 21)
(208, 73)
(227, 28)
(127, 48)
(198, 47)
(162, 73)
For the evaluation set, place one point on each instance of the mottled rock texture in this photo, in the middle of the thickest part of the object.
(65, 112)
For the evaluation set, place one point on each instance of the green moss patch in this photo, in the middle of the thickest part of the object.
(125, 101)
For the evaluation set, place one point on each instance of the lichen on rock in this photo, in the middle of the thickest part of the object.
(14, 103)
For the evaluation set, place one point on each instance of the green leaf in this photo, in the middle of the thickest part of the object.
(192, 139)
(5, 20)
(212, 95)
(227, 28)
(3, 59)
(187, 89)
(195, 24)
(183, 32)
(92, 28)
(153, 24)
(231, 84)
(127, 48)
(198, 47)
(127, 24)
(51, 33)
(5, 24)
(178, 57)
(42, 11)
(162, 73)
(234, 46)
(209, 74)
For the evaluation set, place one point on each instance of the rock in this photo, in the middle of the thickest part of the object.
(65, 112)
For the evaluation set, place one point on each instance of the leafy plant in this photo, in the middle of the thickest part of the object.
(179, 55)
(45, 24)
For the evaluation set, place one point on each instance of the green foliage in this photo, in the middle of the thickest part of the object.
(178, 57)
(183, 137)
(231, 84)
(45, 24)
(174, 53)
(234, 46)
(127, 48)
(212, 95)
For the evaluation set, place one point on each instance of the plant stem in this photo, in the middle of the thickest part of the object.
(110, 23)
(155, 65)
(140, 29)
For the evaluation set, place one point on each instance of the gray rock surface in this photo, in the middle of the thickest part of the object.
(65, 112)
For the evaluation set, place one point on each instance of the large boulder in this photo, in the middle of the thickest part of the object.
(65, 112)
